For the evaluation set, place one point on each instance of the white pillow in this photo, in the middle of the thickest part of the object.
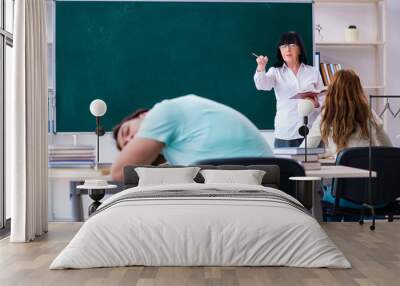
(163, 176)
(248, 177)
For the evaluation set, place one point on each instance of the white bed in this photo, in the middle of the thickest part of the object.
(185, 230)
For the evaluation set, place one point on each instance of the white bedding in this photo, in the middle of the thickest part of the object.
(200, 231)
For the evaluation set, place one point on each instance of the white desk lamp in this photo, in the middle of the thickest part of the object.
(98, 108)
(304, 108)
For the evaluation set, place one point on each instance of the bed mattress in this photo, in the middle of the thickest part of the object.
(201, 225)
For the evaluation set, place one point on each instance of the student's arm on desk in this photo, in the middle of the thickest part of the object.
(137, 151)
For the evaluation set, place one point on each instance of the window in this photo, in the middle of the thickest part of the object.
(6, 61)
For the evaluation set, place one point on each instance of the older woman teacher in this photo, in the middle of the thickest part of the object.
(289, 76)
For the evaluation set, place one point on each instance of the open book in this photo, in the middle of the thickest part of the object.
(309, 94)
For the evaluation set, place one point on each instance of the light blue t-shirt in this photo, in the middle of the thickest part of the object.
(195, 128)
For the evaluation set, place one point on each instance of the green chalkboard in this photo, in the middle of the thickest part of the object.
(134, 54)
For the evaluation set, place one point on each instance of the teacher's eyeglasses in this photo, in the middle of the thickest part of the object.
(288, 46)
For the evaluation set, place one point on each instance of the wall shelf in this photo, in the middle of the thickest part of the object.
(349, 44)
(374, 87)
(367, 56)
(369, 87)
(347, 1)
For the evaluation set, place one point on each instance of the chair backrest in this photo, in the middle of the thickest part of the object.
(385, 187)
(288, 168)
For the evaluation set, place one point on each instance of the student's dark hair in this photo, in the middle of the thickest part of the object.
(288, 38)
(127, 118)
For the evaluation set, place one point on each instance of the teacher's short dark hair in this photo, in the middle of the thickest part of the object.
(288, 38)
(133, 115)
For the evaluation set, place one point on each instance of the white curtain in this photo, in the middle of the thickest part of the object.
(27, 123)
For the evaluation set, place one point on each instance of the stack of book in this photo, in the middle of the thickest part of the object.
(71, 156)
(298, 154)
(327, 71)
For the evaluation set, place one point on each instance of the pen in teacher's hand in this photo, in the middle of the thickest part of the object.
(254, 55)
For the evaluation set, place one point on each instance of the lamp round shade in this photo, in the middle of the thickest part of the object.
(305, 107)
(98, 107)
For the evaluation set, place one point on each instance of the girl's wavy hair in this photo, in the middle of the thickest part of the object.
(345, 110)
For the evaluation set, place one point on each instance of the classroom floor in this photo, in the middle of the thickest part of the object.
(374, 255)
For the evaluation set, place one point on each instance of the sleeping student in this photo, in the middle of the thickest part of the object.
(184, 130)
(289, 76)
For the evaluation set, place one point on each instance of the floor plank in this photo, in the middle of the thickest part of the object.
(374, 255)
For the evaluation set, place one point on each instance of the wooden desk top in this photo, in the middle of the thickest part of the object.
(329, 172)
(326, 172)
(327, 161)
(79, 174)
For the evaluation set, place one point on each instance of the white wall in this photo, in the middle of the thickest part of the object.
(393, 64)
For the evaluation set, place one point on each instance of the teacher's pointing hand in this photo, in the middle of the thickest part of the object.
(261, 63)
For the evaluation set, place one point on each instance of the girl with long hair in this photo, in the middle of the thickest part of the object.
(345, 115)
(344, 123)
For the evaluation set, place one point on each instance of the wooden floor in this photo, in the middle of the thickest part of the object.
(375, 257)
